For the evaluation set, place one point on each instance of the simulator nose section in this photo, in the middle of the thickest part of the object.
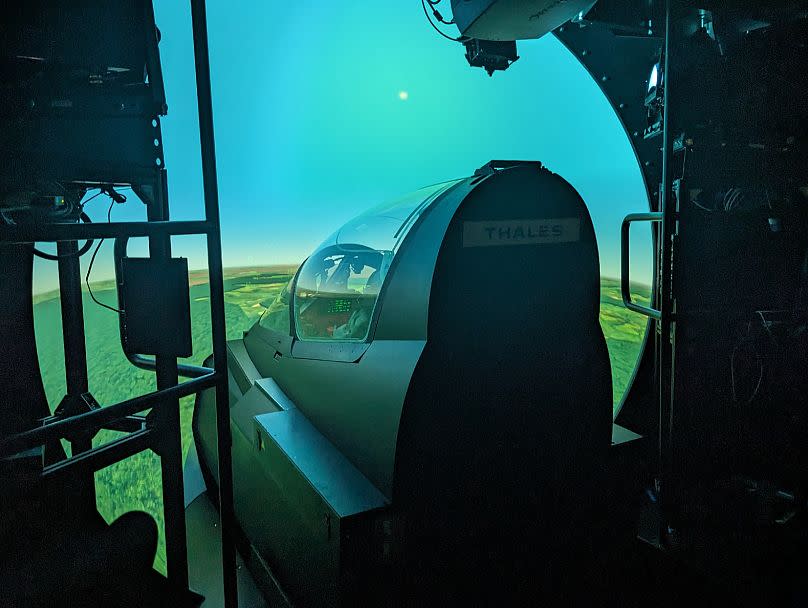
(469, 432)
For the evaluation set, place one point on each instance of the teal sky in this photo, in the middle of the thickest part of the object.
(311, 129)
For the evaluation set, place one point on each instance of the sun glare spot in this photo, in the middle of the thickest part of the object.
(403, 95)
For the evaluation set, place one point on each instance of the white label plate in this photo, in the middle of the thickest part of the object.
(500, 233)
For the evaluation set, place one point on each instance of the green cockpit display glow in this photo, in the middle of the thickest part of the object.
(339, 305)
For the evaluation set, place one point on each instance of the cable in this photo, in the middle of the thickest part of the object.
(727, 195)
(436, 12)
(84, 248)
(748, 340)
(438, 16)
(96, 195)
(435, 27)
(733, 198)
(759, 360)
(684, 172)
(765, 324)
(700, 206)
(116, 198)
(695, 202)
(92, 261)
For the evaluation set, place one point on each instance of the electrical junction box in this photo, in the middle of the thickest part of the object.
(504, 20)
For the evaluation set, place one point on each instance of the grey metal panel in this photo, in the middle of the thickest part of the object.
(253, 403)
(271, 389)
(356, 405)
(335, 479)
(349, 352)
(244, 370)
(292, 489)
(287, 521)
(514, 19)
(278, 510)
(205, 421)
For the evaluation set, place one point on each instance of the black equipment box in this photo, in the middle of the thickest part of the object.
(156, 307)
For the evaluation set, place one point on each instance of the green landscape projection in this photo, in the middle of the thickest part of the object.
(135, 483)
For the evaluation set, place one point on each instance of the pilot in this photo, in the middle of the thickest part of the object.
(358, 323)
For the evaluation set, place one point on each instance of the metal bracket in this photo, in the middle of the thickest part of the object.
(73, 405)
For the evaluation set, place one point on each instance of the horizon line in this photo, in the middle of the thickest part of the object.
(269, 265)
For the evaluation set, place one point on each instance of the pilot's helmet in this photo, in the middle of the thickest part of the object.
(374, 283)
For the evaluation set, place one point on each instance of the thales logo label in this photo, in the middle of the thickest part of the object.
(521, 232)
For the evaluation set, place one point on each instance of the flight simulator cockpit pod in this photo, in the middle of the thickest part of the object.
(435, 361)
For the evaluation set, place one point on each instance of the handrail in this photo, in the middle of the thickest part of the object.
(185, 370)
(625, 282)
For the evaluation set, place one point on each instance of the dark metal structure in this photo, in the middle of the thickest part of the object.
(82, 94)
(711, 95)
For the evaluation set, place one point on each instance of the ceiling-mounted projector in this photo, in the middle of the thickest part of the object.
(514, 19)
